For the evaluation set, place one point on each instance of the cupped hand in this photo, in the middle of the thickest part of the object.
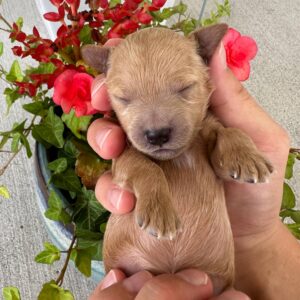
(188, 284)
(253, 209)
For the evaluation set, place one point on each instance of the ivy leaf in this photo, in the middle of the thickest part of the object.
(89, 168)
(290, 166)
(87, 210)
(288, 197)
(4, 192)
(36, 108)
(50, 130)
(11, 293)
(78, 125)
(11, 95)
(59, 165)
(67, 180)
(293, 214)
(1, 48)
(15, 142)
(56, 211)
(89, 239)
(83, 260)
(51, 291)
(295, 230)
(49, 255)
(15, 72)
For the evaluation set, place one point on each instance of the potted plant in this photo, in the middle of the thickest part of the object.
(66, 167)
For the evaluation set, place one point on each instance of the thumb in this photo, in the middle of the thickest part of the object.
(232, 103)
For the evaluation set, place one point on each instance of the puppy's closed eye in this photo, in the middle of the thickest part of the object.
(122, 100)
(186, 88)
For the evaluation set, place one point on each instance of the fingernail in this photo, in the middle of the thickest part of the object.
(194, 277)
(97, 86)
(102, 137)
(109, 280)
(222, 56)
(115, 196)
(137, 281)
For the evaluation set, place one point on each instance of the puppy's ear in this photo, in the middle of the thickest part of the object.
(96, 57)
(208, 39)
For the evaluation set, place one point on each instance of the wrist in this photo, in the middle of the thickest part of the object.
(267, 263)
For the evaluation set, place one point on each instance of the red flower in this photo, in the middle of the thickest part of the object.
(73, 90)
(143, 17)
(55, 17)
(239, 51)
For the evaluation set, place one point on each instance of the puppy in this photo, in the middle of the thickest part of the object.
(178, 156)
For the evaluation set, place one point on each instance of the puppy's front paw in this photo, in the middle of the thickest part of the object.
(236, 157)
(156, 215)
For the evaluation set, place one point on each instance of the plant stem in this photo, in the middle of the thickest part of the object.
(26, 133)
(5, 21)
(3, 169)
(295, 150)
(6, 30)
(59, 281)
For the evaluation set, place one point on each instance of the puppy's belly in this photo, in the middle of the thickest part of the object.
(205, 241)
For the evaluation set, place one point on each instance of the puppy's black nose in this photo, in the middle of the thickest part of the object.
(158, 136)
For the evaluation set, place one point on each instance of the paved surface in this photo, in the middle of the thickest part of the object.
(275, 82)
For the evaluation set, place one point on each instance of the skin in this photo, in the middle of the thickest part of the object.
(253, 209)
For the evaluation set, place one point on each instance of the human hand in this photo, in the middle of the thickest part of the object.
(188, 284)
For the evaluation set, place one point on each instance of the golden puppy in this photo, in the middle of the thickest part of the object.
(178, 156)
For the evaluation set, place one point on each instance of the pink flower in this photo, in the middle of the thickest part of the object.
(72, 89)
(239, 51)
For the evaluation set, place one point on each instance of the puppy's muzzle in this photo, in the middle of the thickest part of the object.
(158, 137)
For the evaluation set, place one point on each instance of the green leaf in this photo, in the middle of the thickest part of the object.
(87, 210)
(51, 291)
(293, 214)
(49, 255)
(85, 35)
(290, 166)
(83, 260)
(71, 149)
(15, 72)
(56, 210)
(4, 192)
(113, 3)
(15, 142)
(78, 125)
(288, 197)
(3, 141)
(89, 239)
(1, 48)
(25, 142)
(36, 108)
(103, 227)
(89, 167)
(67, 180)
(50, 130)
(20, 22)
(11, 293)
(11, 95)
(59, 165)
(43, 68)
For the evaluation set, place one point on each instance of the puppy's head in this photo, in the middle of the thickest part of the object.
(159, 86)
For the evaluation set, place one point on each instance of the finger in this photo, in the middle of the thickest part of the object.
(100, 98)
(106, 138)
(123, 290)
(111, 278)
(231, 295)
(112, 197)
(234, 106)
(187, 284)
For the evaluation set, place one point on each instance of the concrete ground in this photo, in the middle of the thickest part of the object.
(274, 81)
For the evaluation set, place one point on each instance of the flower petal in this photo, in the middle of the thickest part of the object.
(245, 48)
(241, 73)
(230, 37)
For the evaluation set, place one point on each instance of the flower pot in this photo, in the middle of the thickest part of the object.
(60, 235)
